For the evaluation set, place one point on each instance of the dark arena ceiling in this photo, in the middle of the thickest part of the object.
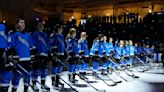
(55, 5)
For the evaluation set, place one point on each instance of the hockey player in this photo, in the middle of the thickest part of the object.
(149, 53)
(152, 51)
(143, 52)
(83, 52)
(139, 52)
(116, 43)
(131, 51)
(22, 43)
(110, 46)
(94, 55)
(105, 63)
(97, 52)
(5, 72)
(41, 42)
(72, 52)
(125, 54)
(119, 53)
(136, 51)
(111, 52)
(57, 45)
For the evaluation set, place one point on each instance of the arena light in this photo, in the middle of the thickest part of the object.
(89, 16)
(150, 11)
(160, 13)
(107, 14)
(4, 21)
(72, 17)
(37, 19)
(139, 16)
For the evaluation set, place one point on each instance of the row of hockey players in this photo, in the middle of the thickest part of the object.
(23, 55)
(123, 52)
(33, 51)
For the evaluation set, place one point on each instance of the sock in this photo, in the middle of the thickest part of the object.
(53, 80)
(43, 82)
(13, 90)
(73, 76)
(69, 77)
(57, 80)
(34, 82)
(25, 88)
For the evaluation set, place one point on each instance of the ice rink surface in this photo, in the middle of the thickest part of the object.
(149, 81)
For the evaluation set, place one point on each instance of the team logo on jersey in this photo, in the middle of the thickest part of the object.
(62, 43)
(9, 39)
(52, 40)
(86, 45)
(43, 41)
(23, 41)
(3, 35)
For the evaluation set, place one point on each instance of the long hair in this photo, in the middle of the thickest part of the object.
(71, 32)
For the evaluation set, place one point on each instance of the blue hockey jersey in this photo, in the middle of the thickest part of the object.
(10, 37)
(83, 46)
(41, 41)
(94, 47)
(72, 46)
(22, 42)
(125, 50)
(143, 51)
(61, 44)
(131, 50)
(3, 37)
(53, 41)
(118, 52)
(137, 50)
(98, 46)
(149, 52)
(57, 41)
(106, 48)
(111, 49)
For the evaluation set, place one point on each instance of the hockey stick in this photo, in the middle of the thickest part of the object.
(138, 65)
(131, 75)
(68, 85)
(133, 67)
(23, 76)
(65, 81)
(141, 66)
(97, 76)
(148, 67)
(48, 89)
(113, 80)
(81, 77)
(26, 81)
(94, 87)
(84, 79)
(116, 72)
(18, 65)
